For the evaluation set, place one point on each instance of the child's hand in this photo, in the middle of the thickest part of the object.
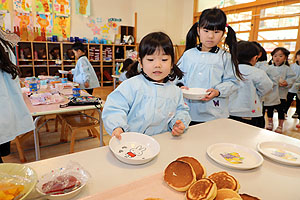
(283, 83)
(86, 84)
(184, 87)
(178, 128)
(117, 132)
(212, 93)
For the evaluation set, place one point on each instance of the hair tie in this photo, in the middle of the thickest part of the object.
(227, 25)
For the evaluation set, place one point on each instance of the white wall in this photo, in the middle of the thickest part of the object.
(173, 17)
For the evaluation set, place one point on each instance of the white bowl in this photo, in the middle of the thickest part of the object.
(134, 148)
(21, 170)
(194, 93)
(63, 71)
(79, 173)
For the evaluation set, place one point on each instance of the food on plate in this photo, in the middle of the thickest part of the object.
(179, 175)
(204, 189)
(198, 168)
(60, 184)
(248, 197)
(224, 180)
(227, 194)
(9, 191)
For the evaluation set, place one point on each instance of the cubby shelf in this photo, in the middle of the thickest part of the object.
(34, 58)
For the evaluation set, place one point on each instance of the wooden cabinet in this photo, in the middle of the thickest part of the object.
(46, 58)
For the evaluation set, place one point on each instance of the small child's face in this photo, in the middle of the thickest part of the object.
(157, 66)
(78, 53)
(209, 38)
(278, 58)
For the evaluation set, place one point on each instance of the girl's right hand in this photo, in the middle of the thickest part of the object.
(117, 132)
(184, 87)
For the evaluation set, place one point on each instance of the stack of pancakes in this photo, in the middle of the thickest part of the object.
(186, 174)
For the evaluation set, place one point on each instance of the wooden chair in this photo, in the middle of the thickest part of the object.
(75, 122)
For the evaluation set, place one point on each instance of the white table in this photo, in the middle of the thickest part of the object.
(42, 110)
(270, 181)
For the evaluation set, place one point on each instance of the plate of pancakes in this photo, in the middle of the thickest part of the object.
(187, 174)
(280, 152)
(235, 156)
(134, 148)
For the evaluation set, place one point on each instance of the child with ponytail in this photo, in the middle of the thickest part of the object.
(205, 65)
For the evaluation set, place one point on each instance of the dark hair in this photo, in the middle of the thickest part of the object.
(246, 51)
(78, 46)
(214, 19)
(5, 63)
(284, 51)
(263, 52)
(297, 54)
(148, 45)
(126, 64)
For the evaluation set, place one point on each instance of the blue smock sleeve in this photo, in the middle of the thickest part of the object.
(116, 109)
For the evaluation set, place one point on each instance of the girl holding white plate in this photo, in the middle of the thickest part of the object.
(148, 102)
(205, 65)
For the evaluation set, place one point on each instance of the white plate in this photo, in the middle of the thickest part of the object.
(134, 148)
(281, 152)
(235, 156)
(63, 71)
(194, 93)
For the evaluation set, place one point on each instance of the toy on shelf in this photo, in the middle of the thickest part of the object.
(128, 39)
(54, 53)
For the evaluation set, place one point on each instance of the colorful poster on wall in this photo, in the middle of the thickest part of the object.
(61, 7)
(61, 26)
(83, 7)
(104, 28)
(43, 6)
(24, 6)
(25, 23)
(3, 4)
(5, 21)
(44, 23)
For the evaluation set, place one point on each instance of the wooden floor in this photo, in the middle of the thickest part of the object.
(51, 146)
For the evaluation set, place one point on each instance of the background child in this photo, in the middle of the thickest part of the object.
(294, 89)
(149, 102)
(84, 73)
(245, 104)
(287, 78)
(207, 66)
(15, 118)
(126, 65)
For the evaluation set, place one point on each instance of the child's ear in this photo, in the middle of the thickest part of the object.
(140, 63)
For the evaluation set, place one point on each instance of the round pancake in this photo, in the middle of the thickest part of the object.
(198, 168)
(248, 197)
(179, 175)
(224, 180)
(227, 194)
(204, 189)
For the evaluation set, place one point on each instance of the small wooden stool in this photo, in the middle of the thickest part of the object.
(76, 122)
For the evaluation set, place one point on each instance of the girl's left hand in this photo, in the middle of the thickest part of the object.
(212, 93)
(86, 84)
(178, 128)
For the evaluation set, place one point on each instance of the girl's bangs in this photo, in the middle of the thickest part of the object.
(212, 25)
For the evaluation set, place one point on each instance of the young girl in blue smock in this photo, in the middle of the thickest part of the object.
(206, 65)
(245, 104)
(277, 99)
(148, 102)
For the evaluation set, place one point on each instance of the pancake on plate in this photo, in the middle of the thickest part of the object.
(224, 180)
(248, 197)
(198, 168)
(204, 189)
(227, 194)
(179, 175)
